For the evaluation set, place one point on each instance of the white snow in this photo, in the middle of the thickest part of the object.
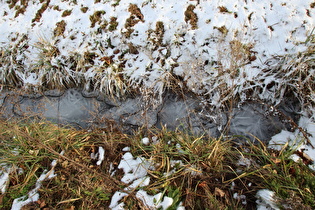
(156, 201)
(266, 200)
(241, 198)
(4, 177)
(146, 141)
(244, 162)
(101, 154)
(33, 195)
(115, 199)
(135, 170)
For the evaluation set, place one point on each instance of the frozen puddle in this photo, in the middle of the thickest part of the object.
(75, 108)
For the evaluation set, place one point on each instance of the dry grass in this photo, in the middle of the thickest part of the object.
(198, 172)
(293, 76)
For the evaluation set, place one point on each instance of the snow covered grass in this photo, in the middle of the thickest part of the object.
(221, 50)
(150, 169)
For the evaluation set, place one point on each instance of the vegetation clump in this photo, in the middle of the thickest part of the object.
(40, 12)
(113, 24)
(135, 17)
(156, 36)
(84, 9)
(96, 17)
(60, 28)
(19, 10)
(13, 3)
(66, 13)
(191, 16)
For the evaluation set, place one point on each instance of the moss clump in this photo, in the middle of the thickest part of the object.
(84, 9)
(19, 10)
(159, 29)
(56, 7)
(60, 28)
(66, 13)
(40, 12)
(133, 49)
(191, 16)
(96, 17)
(89, 57)
(134, 10)
(156, 36)
(113, 24)
(103, 27)
(13, 3)
(223, 9)
(135, 17)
